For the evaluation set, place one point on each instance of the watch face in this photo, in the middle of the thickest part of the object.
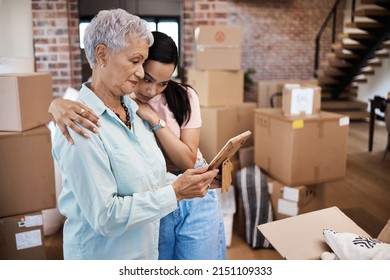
(162, 123)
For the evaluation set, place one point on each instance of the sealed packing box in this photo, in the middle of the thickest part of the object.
(267, 88)
(27, 181)
(301, 151)
(218, 47)
(25, 99)
(292, 201)
(21, 237)
(219, 124)
(301, 100)
(217, 87)
(301, 237)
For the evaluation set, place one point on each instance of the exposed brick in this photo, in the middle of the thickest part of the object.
(277, 36)
(56, 42)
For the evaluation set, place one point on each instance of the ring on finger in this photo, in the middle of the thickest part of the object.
(82, 111)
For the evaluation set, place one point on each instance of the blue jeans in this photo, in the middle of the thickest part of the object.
(194, 231)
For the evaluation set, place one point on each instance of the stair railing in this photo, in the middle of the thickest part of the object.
(332, 15)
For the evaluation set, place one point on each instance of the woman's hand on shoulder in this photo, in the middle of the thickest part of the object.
(65, 113)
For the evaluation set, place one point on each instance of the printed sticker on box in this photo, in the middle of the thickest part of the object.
(344, 121)
(302, 101)
(288, 208)
(28, 239)
(291, 194)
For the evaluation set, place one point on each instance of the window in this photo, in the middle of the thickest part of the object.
(82, 26)
(167, 25)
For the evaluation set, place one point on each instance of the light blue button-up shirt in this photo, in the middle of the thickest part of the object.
(115, 187)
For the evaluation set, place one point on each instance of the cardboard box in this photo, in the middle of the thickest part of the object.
(301, 151)
(21, 237)
(292, 201)
(25, 99)
(266, 88)
(301, 237)
(299, 100)
(384, 235)
(218, 47)
(219, 124)
(216, 87)
(27, 173)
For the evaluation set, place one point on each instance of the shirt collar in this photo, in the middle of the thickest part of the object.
(88, 97)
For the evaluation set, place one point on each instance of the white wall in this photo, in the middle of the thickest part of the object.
(16, 37)
(16, 28)
(379, 84)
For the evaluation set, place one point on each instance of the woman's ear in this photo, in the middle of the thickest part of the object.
(101, 55)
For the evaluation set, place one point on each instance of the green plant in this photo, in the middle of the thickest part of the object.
(248, 82)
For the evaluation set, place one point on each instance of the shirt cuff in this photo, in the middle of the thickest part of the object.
(167, 200)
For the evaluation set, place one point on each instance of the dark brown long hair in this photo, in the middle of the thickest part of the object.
(164, 50)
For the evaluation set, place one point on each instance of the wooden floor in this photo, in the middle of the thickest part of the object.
(363, 195)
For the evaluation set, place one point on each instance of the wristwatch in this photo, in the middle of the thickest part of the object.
(161, 124)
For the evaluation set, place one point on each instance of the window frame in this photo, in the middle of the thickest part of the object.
(156, 20)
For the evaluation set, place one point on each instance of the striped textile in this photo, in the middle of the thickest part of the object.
(253, 195)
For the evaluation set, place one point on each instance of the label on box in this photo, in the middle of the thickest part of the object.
(289, 208)
(297, 124)
(28, 239)
(34, 221)
(291, 194)
(302, 101)
(344, 121)
(31, 221)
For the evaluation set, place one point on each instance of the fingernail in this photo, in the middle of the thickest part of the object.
(95, 130)
(86, 135)
(70, 142)
(98, 123)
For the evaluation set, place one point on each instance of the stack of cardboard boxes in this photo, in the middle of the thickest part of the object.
(27, 183)
(218, 79)
(300, 147)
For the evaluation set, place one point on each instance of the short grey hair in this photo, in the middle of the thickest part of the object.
(112, 28)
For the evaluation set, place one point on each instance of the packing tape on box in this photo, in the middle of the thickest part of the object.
(202, 48)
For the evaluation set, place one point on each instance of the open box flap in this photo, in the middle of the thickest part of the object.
(384, 236)
(301, 238)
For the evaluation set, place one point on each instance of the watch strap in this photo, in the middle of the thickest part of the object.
(160, 124)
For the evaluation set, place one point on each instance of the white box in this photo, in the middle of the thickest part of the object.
(227, 203)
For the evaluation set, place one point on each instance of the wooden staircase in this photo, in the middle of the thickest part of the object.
(354, 57)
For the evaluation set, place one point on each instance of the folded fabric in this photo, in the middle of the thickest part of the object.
(350, 246)
(253, 196)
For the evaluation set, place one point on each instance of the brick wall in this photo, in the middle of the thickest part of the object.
(56, 42)
(277, 36)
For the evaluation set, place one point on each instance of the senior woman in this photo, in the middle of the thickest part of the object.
(115, 185)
